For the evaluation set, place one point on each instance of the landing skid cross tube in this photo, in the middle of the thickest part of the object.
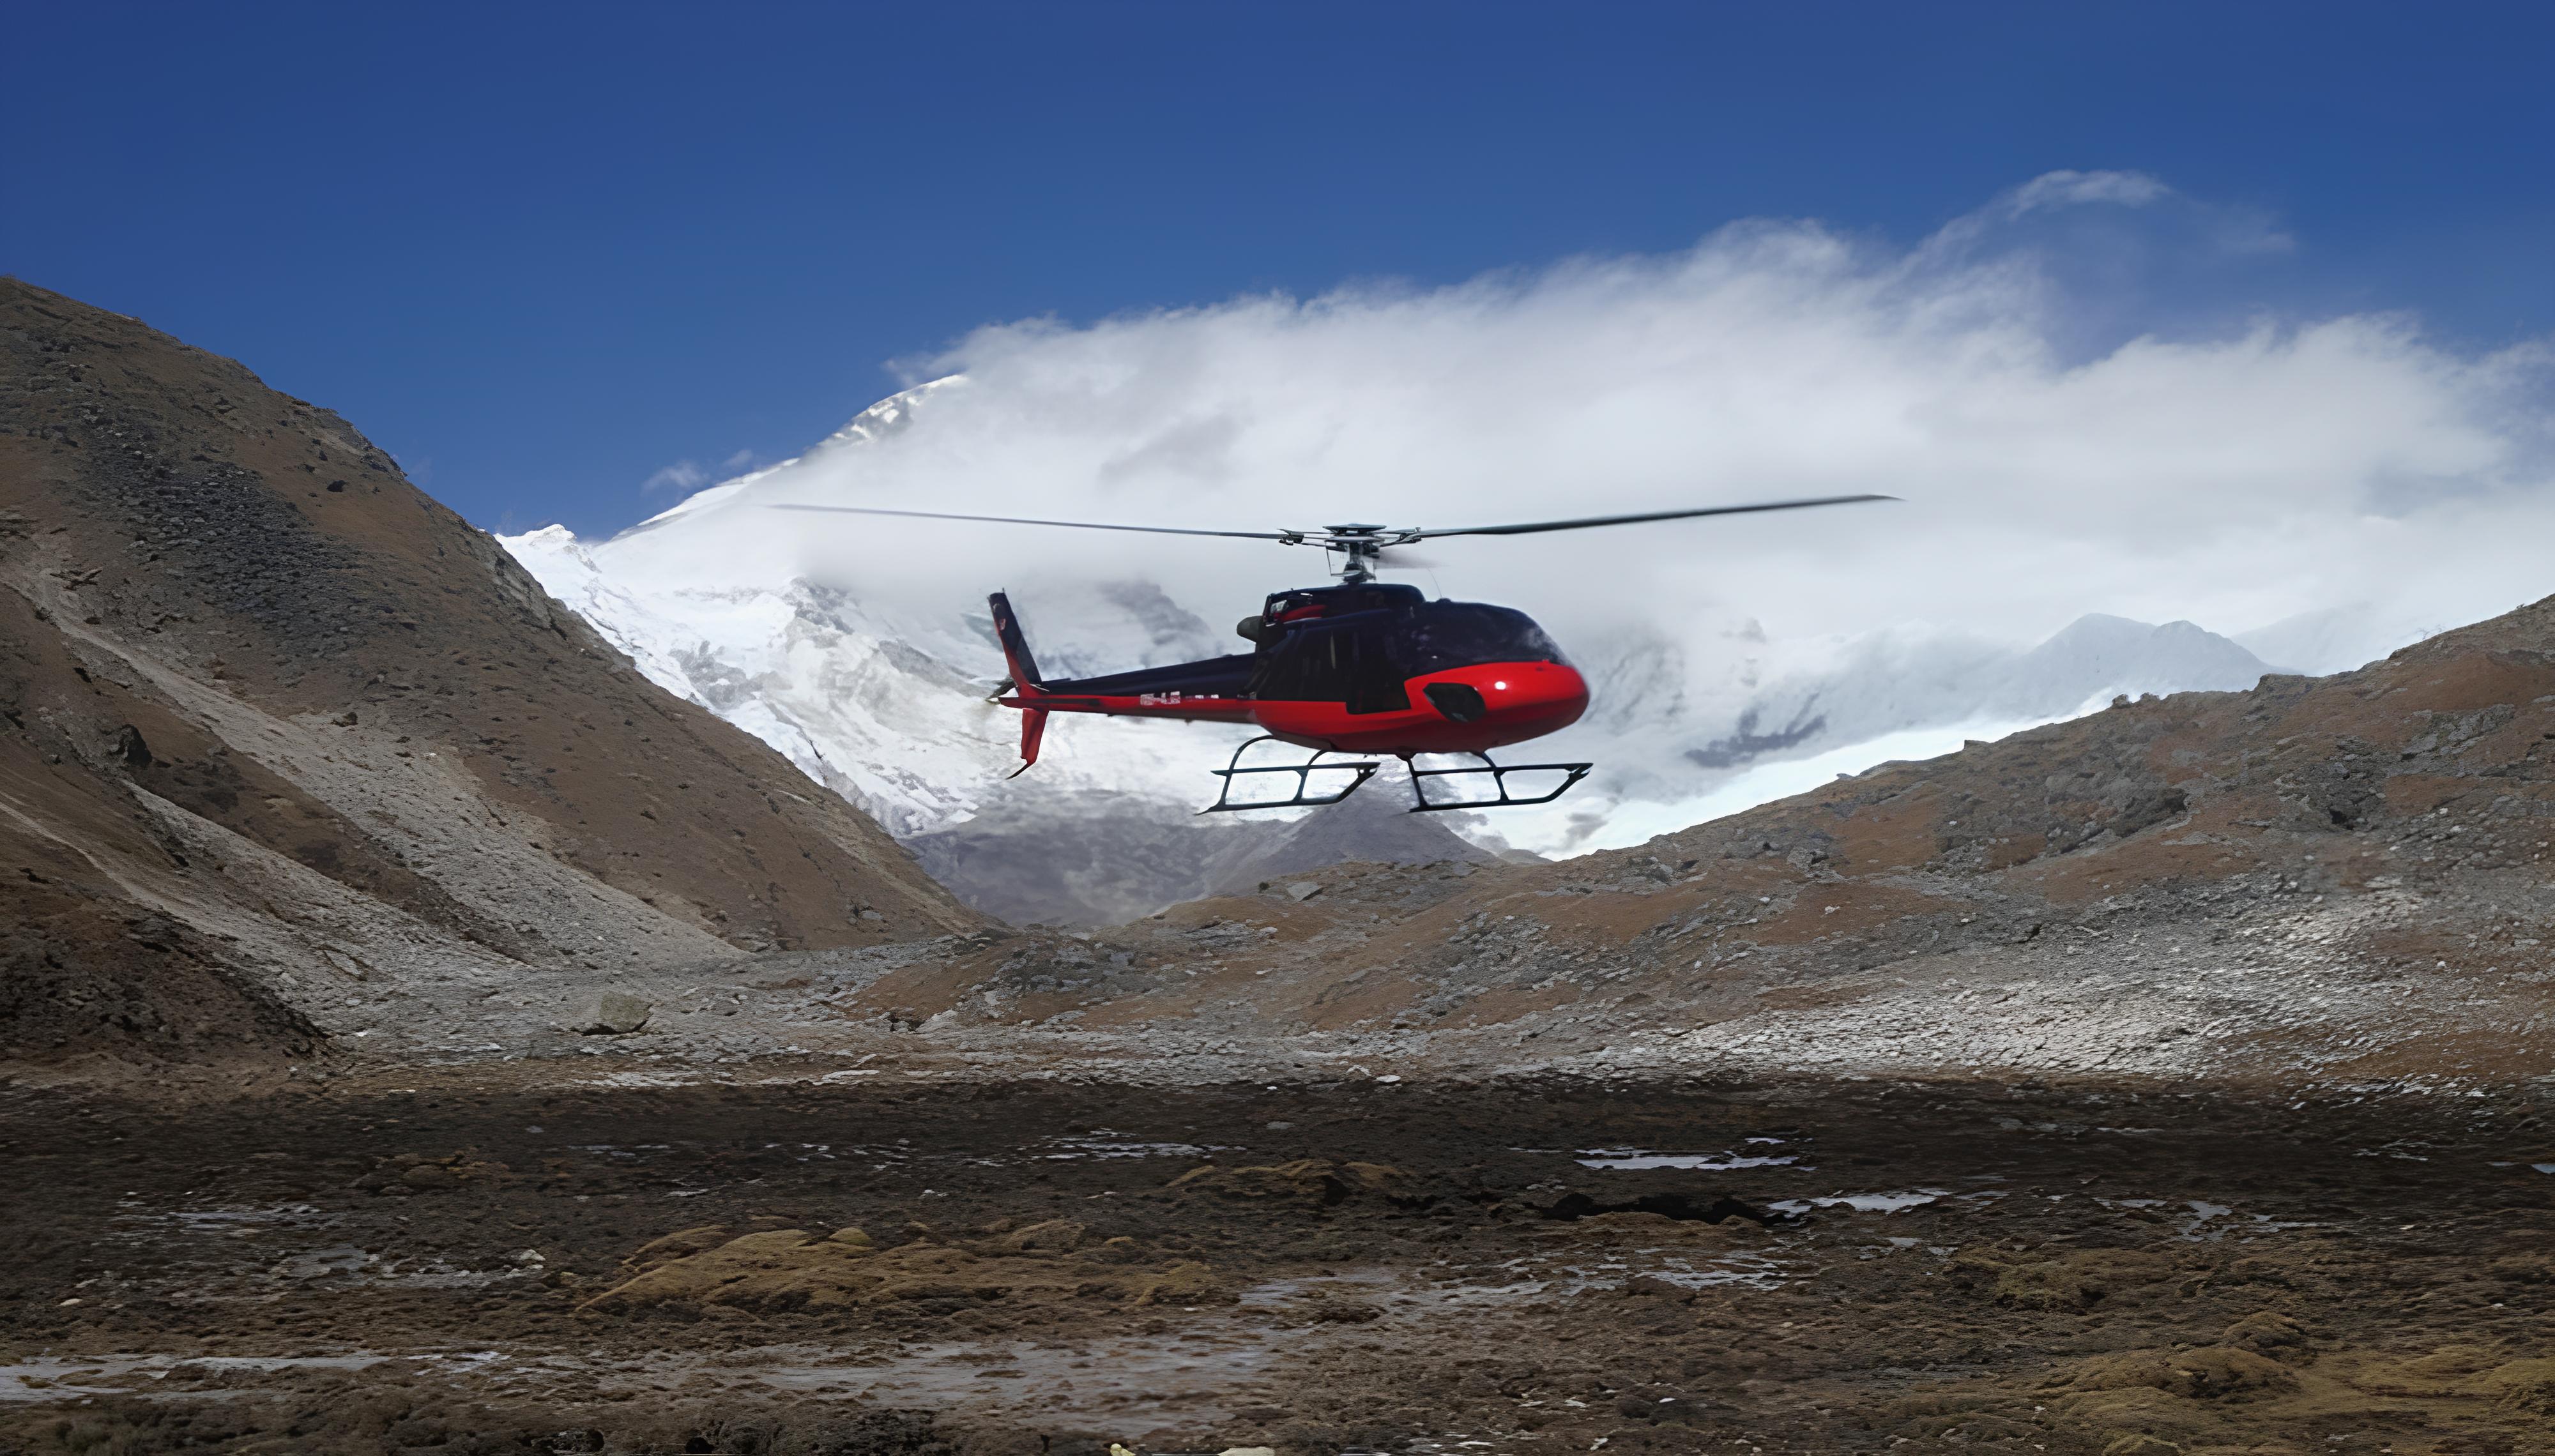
(1304, 771)
(1420, 778)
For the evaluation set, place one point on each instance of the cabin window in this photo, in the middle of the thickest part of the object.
(1350, 663)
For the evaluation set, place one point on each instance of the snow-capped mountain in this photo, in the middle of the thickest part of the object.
(1884, 684)
(870, 669)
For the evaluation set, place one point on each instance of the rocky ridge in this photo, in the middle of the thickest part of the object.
(1063, 857)
(290, 752)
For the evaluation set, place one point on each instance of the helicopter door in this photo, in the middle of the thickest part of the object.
(1334, 664)
(1374, 679)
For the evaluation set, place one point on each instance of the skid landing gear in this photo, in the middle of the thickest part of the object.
(1304, 797)
(1420, 777)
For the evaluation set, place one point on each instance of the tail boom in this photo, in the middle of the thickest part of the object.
(1211, 692)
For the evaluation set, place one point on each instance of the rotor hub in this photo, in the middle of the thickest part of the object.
(1358, 548)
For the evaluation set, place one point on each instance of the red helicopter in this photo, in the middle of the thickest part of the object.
(1362, 668)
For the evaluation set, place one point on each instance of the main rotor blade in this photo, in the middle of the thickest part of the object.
(1405, 558)
(1283, 536)
(1531, 527)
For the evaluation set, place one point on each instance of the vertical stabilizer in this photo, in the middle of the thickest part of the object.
(1025, 682)
(1016, 648)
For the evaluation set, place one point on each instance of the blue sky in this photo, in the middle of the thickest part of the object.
(543, 253)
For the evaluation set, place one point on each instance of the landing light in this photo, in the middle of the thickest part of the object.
(1501, 685)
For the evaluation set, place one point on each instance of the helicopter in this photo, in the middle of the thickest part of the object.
(1357, 668)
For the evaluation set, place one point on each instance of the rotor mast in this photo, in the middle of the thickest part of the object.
(1360, 550)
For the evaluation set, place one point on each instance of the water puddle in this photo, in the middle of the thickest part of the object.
(1864, 1202)
(137, 1224)
(2205, 1215)
(54, 1378)
(630, 1151)
(1365, 1283)
(1456, 1441)
(321, 1264)
(230, 1220)
(1139, 1382)
(1102, 1143)
(1636, 1158)
(813, 1152)
(879, 1157)
(2201, 1213)
(1142, 1383)
(1754, 1270)
(344, 1265)
(1563, 1275)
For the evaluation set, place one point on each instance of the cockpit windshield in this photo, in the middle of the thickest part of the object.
(1363, 657)
(1442, 635)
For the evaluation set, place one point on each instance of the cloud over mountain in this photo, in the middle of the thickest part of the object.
(2069, 438)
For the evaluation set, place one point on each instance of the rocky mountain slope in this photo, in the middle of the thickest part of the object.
(2339, 881)
(1087, 858)
(289, 751)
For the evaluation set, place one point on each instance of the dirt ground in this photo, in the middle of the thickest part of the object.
(1508, 1267)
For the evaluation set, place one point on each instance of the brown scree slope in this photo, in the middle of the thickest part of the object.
(278, 731)
(2339, 879)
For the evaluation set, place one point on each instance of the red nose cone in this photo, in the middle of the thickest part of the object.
(1544, 695)
(1519, 701)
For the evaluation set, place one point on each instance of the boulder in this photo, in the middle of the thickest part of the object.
(2268, 1332)
(615, 1014)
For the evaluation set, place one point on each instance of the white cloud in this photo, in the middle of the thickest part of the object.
(2234, 480)
(2068, 187)
(689, 475)
(2239, 472)
(682, 475)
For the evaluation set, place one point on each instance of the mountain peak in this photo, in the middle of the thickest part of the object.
(2099, 651)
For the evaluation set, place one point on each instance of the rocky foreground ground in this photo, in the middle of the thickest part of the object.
(484, 1259)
